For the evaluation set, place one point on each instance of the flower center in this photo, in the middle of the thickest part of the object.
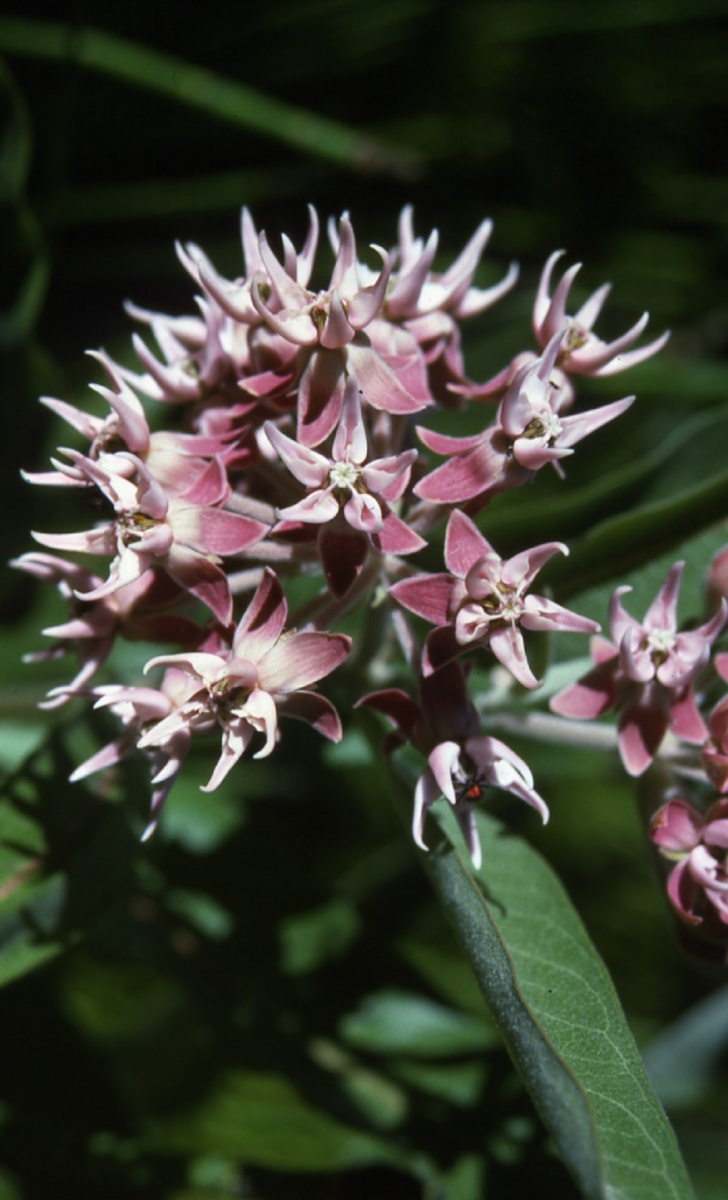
(576, 337)
(547, 425)
(133, 526)
(659, 643)
(344, 475)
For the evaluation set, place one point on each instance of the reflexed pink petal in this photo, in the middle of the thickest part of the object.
(263, 621)
(203, 578)
(210, 487)
(642, 726)
(588, 697)
(396, 537)
(677, 826)
(685, 719)
(440, 443)
(464, 544)
(213, 530)
(320, 396)
(507, 646)
(315, 710)
(428, 596)
(302, 659)
(381, 386)
(464, 476)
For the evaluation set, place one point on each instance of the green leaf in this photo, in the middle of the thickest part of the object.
(623, 543)
(312, 938)
(559, 1015)
(260, 1120)
(684, 1059)
(392, 1022)
(65, 856)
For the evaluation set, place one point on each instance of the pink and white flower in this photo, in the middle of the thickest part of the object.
(349, 497)
(529, 432)
(241, 688)
(485, 601)
(461, 762)
(646, 672)
(581, 352)
(152, 529)
(697, 886)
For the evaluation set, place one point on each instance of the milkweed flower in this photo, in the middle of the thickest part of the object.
(485, 601)
(529, 431)
(152, 529)
(462, 763)
(349, 497)
(646, 672)
(581, 351)
(697, 886)
(241, 687)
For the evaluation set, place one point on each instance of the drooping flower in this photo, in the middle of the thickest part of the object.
(485, 601)
(461, 762)
(646, 673)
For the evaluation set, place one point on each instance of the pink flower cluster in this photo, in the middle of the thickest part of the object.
(655, 677)
(293, 454)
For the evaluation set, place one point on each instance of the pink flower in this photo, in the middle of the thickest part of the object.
(240, 689)
(347, 491)
(698, 884)
(484, 601)
(429, 304)
(136, 611)
(715, 751)
(529, 432)
(327, 330)
(646, 672)
(581, 351)
(461, 763)
(152, 529)
(136, 708)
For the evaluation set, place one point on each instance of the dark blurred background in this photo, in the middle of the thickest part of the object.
(599, 128)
